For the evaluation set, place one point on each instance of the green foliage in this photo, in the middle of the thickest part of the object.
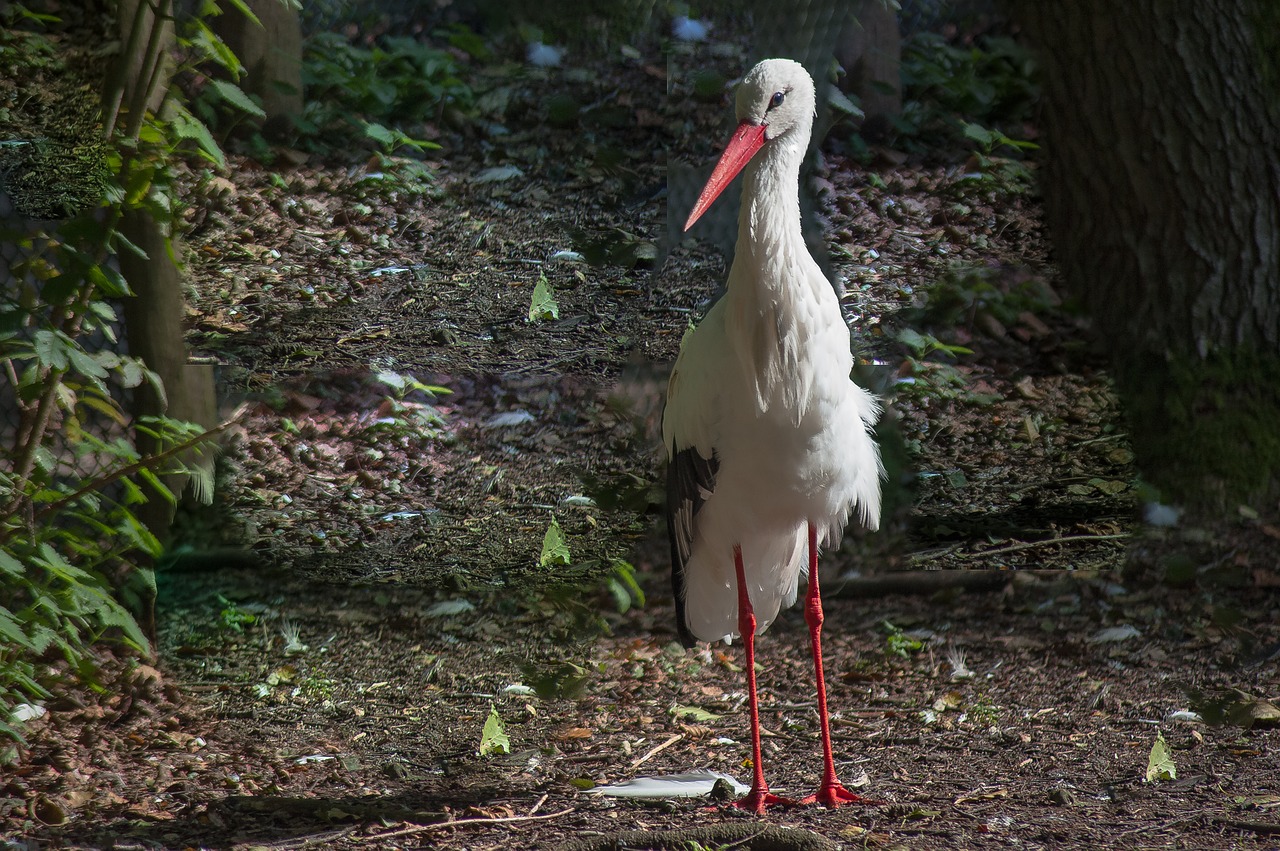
(1160, 761)
(965, 291)
(493, 738)
(556, 679)
(400, 80)
(961, 297)
(233, 618)
(992, 83)
(1001, 173)
(543, 305)
(403, 414)
(71, 480)
(555, 550)
(899, 643)
(624, 587)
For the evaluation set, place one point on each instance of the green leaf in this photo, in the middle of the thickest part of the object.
(11, 631)
(51, 350)
(913, 340)
(493, 739)
(10, 565)
(107, 406)
(623, 586)
(543, 306)
(1160, 763)
(697, 713)
(381, 135)
(555, 551)
(233, 95)
(132, 373)
(85, 363)
(244, 9)
(621, 597)
(158, 486)
(187, 126)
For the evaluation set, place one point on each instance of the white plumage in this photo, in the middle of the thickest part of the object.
(768, 438)
(762, 386)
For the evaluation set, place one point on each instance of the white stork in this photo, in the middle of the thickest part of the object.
(768, 438)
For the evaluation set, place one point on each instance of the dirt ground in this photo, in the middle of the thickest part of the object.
(333, 642)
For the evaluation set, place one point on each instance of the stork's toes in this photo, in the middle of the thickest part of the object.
(757, 801)
(833, 795)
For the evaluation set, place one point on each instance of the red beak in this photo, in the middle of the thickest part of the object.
(744, 143)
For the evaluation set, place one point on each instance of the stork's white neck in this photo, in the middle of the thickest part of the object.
(777, 297)
(770, 242)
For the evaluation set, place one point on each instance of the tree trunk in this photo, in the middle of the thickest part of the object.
(153, 317)
(272, 59)
(871, 54)
(1161, 126)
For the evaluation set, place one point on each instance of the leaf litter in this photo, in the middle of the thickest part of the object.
(367, 510)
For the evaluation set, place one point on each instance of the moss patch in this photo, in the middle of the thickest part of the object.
(1206, 431)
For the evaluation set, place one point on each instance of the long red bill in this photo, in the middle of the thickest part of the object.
(744, 143)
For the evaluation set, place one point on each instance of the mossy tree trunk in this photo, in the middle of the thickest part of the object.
(1161, 178)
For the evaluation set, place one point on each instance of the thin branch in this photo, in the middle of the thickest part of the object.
(113, 97)
(1047, 542)
(146, 76)
(466, 822)
(919, 582)
(31, 439)
(675, 737)
(141, 464)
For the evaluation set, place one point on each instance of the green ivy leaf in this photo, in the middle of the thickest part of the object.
(543, 306)
(493, 738)
(1160, 763)
(555, 551)
(696, 713)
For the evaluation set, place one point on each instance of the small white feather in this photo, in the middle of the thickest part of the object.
(687, 784)
(688, 29)
(543, 55)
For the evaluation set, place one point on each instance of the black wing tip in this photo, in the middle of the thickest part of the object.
(688, 474)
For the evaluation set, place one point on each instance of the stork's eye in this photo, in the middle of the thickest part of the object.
(776, 100)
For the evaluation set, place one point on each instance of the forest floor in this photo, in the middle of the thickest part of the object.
(375, 588)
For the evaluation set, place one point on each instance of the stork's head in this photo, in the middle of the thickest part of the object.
(775, 100)
(776, 95)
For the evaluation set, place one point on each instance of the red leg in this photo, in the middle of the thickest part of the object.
(830, 793)
(759, 798)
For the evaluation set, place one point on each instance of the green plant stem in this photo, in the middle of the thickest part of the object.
(28, 444)
(113, 97)
(148, 71)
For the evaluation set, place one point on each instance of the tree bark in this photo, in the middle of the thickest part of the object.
(272, 58)
(154, 315)
(871, 55)
(1161, 126)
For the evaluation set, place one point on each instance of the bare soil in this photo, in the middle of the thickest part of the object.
(310, 690)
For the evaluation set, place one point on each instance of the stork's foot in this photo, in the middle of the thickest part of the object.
(759, 800)
(833, 795)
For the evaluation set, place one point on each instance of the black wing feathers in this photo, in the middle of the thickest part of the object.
(690, 477)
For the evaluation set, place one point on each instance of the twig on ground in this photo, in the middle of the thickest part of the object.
(1030, 545)
(654, 751)
(466, 822)
(755, 837)
(538, 806)
(920, 582)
